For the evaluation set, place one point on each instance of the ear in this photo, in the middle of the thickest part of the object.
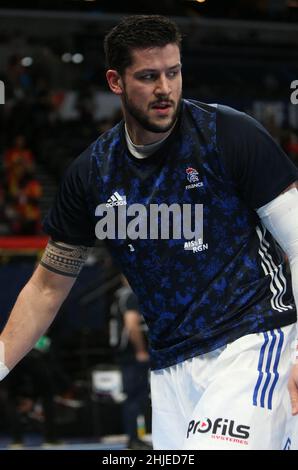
(115, 82)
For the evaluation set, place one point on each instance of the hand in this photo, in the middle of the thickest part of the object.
(293, 389)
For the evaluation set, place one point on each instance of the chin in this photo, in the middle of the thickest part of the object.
(159, 127)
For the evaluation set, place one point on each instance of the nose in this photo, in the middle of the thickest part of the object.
(163, 86)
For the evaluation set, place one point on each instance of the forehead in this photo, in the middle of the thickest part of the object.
(154, 57)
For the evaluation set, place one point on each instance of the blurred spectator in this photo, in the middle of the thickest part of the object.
(134, 363)
(4, 218)
(18, 76)
(28, 204)
(23, 189)
(17, 160)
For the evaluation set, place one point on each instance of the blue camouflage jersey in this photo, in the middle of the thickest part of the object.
(202, 294)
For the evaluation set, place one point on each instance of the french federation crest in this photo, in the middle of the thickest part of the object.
(192, 175)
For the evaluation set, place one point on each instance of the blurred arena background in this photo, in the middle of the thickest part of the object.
(242, 53)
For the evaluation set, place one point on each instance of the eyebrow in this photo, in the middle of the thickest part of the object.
(138, 72)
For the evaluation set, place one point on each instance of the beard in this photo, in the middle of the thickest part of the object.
(144, 120)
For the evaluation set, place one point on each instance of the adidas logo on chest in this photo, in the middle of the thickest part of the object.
(116, 200)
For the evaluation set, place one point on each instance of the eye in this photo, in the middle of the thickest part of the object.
(147, 77)
(172, 74)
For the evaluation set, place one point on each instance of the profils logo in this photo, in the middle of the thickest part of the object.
(2, 92)
(221, 428)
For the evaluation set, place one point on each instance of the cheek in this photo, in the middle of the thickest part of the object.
(140, 96)
(179, 86)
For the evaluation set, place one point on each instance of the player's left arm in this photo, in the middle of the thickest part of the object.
(280, 217)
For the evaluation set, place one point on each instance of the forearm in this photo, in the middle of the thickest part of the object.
(39, 301)
(32, 314)
(34, 311)
(137, 339)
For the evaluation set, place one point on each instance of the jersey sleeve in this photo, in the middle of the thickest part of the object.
(258, 167)
(132, 302)
(69, 219)
(128, 301)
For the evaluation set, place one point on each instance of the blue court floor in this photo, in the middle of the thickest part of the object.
(35, 442)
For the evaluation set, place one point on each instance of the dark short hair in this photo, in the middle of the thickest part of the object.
(138, 32)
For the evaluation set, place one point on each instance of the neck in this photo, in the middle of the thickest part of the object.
(140, 136)
(146, 138)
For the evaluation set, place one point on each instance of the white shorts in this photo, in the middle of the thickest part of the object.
(233, 398)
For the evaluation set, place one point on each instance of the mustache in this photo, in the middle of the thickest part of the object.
(163, 101)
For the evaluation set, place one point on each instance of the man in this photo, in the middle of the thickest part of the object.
(133, 359)
(218, 303)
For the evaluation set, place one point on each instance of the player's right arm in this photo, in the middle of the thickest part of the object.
(39, 301)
